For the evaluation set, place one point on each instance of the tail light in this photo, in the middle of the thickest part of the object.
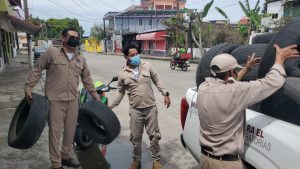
(184, 107)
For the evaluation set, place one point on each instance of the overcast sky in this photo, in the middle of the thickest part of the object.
(90, 12)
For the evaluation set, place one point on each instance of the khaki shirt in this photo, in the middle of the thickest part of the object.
(140, 91)
(221, 109)
(62, 76)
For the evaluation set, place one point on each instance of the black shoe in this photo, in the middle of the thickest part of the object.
(70, 162)
(59, 168)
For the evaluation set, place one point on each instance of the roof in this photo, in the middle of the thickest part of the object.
(24, 26)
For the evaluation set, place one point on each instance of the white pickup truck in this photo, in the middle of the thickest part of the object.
(270, 143)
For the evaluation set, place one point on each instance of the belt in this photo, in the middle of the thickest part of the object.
(225, 157)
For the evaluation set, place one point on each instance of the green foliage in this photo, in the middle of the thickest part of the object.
(52, 27)
(253, 14)
(97, 32)
(243, 30)
(222, 13)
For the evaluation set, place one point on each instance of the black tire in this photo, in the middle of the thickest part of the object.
(241, 53)
(203, 69)
(184, 66)
(28, 122)
(289, 35)
(263, 39)
(99, 122)
(172, 65)
(82, 139)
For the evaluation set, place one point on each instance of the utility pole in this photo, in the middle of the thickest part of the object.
(105, 46)
(30, 58)
(177, 13)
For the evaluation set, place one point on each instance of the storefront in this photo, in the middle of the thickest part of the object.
(153, 43)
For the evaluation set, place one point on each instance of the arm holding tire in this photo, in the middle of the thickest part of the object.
(33, 78)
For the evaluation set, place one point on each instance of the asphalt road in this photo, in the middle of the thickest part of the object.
(173, 155)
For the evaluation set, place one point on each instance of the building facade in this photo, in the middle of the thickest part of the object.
(142, 25)
(278, 9)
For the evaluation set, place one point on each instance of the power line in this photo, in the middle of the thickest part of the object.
(43, 12)
(61, 6)
(107, 4)
(87, 7)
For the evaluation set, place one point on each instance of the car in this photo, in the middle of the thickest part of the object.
(38, 52)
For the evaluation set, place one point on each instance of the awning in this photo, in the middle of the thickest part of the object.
(151, 36)
(24, 26)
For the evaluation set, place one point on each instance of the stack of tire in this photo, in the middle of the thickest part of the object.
(284, 104)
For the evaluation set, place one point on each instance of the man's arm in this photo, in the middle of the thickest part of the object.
(256, 91)
(160, 87)
(251, 62)
(119, 94)
(33, 78)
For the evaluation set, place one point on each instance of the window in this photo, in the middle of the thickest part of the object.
(140, 22)
(150, 21)
(275, 16)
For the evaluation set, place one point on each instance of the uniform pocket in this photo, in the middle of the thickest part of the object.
(78, 68)
(60, 66)
(145, 77)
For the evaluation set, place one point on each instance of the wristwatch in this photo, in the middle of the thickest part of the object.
(167, 94)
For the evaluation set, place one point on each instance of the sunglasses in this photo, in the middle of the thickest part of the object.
(73, 37)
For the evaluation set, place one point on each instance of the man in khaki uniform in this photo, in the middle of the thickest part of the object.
(64, 66)
(221, 104)
(136, 78)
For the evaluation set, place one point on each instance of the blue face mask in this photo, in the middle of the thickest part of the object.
(136, 60)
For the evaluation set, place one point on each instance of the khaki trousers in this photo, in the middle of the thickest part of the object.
(140, 118)
(62, 120)
(210, 163)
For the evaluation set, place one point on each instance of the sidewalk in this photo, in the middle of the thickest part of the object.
(12, 82)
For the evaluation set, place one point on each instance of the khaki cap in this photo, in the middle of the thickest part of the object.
(223, 63)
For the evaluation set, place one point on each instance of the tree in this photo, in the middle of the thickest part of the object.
(252, 14)
(197, 18)
(52, 27)
(97, 32)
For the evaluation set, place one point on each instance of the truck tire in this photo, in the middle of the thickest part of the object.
(289, 35)
(263, 39)
(241, 54)
(203, 69)
(28, 122)
(99, 122)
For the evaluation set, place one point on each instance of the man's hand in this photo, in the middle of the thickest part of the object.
(252, 62)
(283, 54)
(28, 96)
(167, 101)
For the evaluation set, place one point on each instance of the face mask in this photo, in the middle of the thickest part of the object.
(72, 41)
(135, 61)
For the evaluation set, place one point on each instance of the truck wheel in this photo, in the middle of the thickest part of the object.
(289, 35)
(82, 139)
(28, 122)
(263, 39)
(99, 122)
(203, 69)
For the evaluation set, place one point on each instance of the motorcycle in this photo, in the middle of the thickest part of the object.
(81, 139)
(180, 62)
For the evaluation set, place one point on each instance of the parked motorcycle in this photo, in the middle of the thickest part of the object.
(81, 139)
